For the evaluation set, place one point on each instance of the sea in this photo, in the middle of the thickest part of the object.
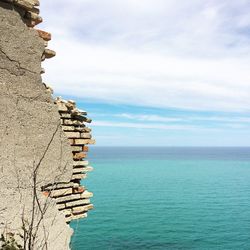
(166, 198)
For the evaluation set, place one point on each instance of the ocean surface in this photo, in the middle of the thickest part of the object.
(167, 198)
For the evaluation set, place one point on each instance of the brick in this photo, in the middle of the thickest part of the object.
(81, 163)
(36, 10)
(78, 216)
(68, 198)
(33, 16)
(86, 194)
(73, 134)
(81, 209)
(79, 156)
(77, 148)
(87, 130)
(81, 118)
(62, 107)
(79, 190)
(60, 192)
(67, 212)
(44, 35)
(65, 115)
(77, 203)
(83, 141)
(71, 122)
(68, 128)
(46, 193)
(82, 170)
(85, 135)
(49, 53)
(60, 185)
(60, 206)
(25, 4)
(78, 176)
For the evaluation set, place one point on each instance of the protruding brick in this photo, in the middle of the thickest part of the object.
(67, 212)
(69, 198)
(76, 148)
(86, 194)
(25, 4)
(79, 190)
(83, 141)
(79, 156)
(76, 217)
(34, 17)
(77, 203)
(78, 170)
(44, 35)
(73, 134)
(72, 122)
(61, 206)
(81, 163)
(78, 176)
(60, 192)
(81, 209)
(59, 186)
(48, 53)
(86, 135)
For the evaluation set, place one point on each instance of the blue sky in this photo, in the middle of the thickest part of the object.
(154, 72)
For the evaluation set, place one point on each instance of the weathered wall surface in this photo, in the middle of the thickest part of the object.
(30, 134)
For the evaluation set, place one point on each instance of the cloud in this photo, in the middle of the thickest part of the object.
(137, 125)
(149, 118)
(184, 118)
(167, 54)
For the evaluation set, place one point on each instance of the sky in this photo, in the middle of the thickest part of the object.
(154, 72)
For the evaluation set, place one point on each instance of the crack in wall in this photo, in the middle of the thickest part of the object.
(21, 70)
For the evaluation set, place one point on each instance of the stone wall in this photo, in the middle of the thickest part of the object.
(42, 140)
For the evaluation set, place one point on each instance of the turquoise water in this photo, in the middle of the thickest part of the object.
(167, 198)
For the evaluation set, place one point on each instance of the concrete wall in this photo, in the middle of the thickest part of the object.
(30, 133)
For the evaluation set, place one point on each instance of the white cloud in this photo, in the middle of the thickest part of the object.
(140, 125)
(184, 118)
(169, 127)
(149, 118)
(189, 55)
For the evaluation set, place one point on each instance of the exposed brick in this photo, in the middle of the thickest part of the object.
(79, 156)
(44, 35)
